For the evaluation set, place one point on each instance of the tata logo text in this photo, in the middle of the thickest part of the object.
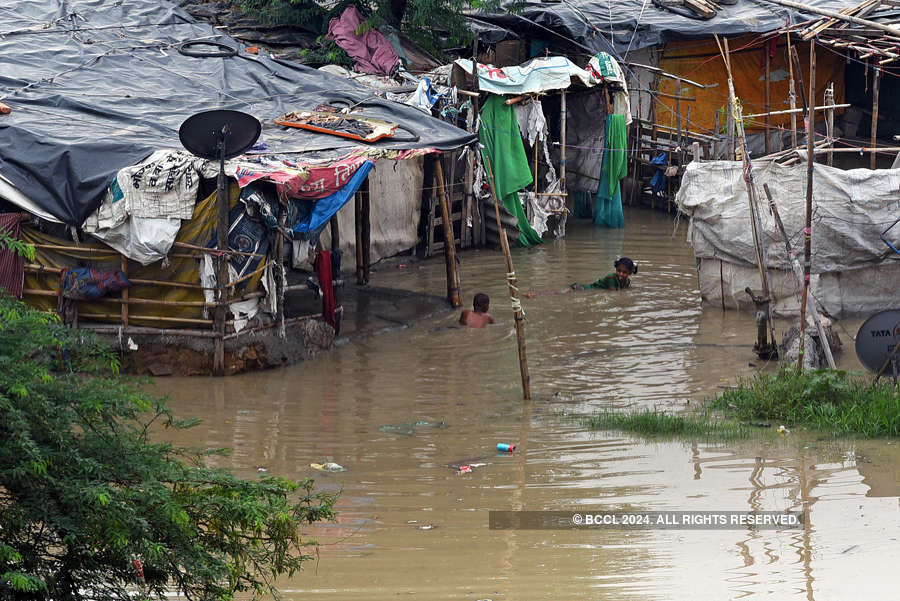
(893, 333)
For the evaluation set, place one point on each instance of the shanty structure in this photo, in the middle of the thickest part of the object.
(126, 223)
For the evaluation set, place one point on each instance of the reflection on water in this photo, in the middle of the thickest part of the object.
(411, 527)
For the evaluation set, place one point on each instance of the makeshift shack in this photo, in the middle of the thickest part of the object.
(123, 219)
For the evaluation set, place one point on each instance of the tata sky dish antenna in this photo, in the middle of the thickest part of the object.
(878, 343)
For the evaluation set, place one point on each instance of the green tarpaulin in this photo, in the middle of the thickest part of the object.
(502, 147)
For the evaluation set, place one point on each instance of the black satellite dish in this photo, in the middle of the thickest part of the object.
(221, 134)
(877, 338)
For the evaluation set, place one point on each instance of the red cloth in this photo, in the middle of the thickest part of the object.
(372, 51)
(12, 265)
(323, 270)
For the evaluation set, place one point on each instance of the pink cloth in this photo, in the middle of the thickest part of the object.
(12, 265)
(372, 51)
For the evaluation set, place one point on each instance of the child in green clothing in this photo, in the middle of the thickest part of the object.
(617, 280)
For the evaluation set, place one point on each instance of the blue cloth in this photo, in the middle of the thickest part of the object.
(314, 214)
(608, 208)
(659, 178)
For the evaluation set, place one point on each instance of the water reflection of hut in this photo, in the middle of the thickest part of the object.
(123, 220)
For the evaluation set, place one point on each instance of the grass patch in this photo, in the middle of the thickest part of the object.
(651, 422)
(830, 401)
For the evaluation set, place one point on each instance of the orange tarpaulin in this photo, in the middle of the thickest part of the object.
(701, 62)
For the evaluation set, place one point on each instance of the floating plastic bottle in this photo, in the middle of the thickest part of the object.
(503, 447)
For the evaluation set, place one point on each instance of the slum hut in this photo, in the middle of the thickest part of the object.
(676, 82)
(838, 182)
(574, 120)
(125, 222)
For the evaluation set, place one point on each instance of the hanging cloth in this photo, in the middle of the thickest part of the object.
(608, 202)
(322, 266)
(502, 147)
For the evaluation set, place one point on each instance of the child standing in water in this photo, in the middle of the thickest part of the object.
(479, 317)
(617, 280)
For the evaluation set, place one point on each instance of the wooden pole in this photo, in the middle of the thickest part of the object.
(512, 282)
(221, 261)
(807, 230)
(874, 141)
(798, 273)
(829, 121)
(768, 94)
(124, 268)
(280, 283)
(335, 233)
(477, 213)
(366, 230)
(562, 143)
(449, 244)
(358, 226)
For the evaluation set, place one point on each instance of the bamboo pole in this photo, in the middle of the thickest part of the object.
(829, 122)
(124, 268)
(874, 138)
(221, 260)
(825, 107)
(749, 181)
(215, 251)
(562, 142)
(150, 318)
(114, 329)
(357, 224)
(449, 243)
(807, 230)
(512, 282)
(768, 95)
(366, 230)
(798, 274)
(792, 92)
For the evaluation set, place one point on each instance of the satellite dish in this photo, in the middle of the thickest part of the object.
(209, 133)
(877, 338)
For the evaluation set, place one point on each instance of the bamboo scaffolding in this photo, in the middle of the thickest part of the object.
(512, 283)
(836, 15)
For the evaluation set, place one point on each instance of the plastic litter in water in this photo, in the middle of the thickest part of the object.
(504, 447)
(328, 467)
(465, 469)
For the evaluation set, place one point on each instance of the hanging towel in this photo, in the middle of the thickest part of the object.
(322, 265)
(502, 147)
(608, 202)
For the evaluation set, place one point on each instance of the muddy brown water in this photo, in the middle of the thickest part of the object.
(410, 527)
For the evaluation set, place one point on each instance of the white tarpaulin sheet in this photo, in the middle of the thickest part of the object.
(537, 75)
(854, 270)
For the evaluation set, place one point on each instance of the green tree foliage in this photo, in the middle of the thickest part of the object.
(435, 25)
(92, 506)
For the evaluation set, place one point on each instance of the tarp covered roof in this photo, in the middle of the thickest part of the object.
(617, 26)
(97, 85)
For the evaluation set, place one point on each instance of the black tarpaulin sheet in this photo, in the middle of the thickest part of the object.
(622, 25)
(97, 85)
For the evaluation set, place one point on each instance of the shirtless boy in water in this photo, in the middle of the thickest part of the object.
(479, 317)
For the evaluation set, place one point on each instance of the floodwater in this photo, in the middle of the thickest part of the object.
(411, 527)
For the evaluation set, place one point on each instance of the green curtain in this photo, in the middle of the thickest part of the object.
(502, 147)
(608, 202)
